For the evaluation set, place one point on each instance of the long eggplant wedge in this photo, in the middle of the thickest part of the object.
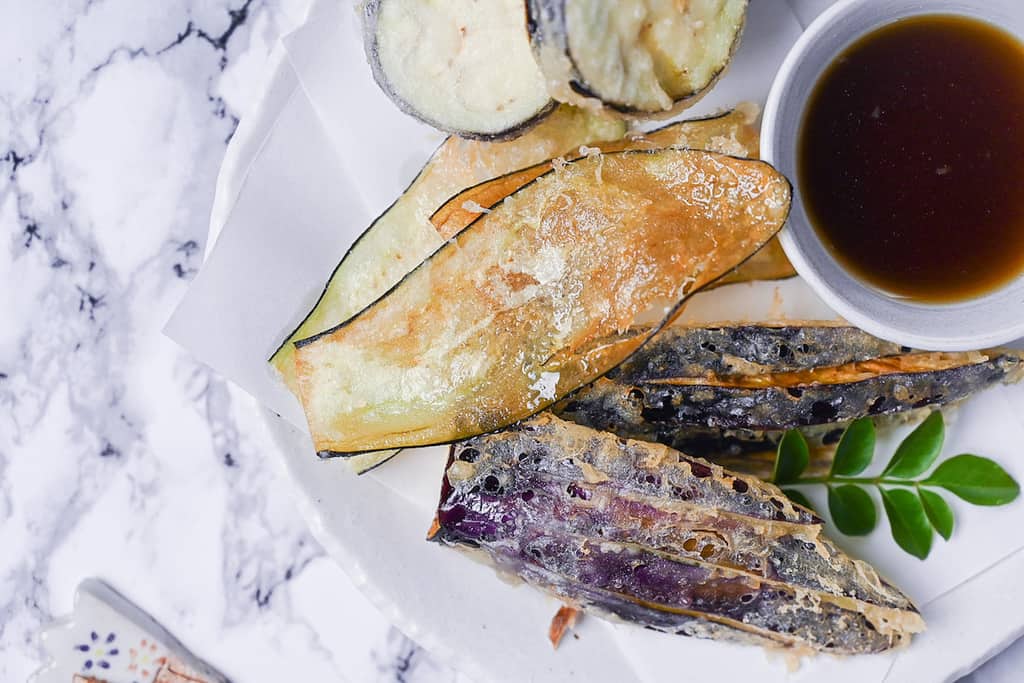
(463, 66)
(693, 388)
(734, 132)
(635, 56)
(402, 236)
(397, 241)
(670, 542)
(490, 329)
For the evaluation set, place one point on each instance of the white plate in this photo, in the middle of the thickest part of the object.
(494, 631)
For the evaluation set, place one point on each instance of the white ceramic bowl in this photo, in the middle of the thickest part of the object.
(993, 319)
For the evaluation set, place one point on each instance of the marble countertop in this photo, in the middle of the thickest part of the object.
(121, 457)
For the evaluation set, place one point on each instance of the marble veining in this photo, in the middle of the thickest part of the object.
(120, 456)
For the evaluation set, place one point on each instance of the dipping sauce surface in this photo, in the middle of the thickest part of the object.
(911, 158)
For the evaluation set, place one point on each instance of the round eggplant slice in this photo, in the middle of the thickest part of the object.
(635, 56)
(462, 66)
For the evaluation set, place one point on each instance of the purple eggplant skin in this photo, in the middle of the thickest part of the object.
(669, 542)
(370, 11)
(547, 27)
(643, 398)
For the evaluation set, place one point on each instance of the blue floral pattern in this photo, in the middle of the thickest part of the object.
(98, 651)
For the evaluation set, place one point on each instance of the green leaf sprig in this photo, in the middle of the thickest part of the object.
(914, 510)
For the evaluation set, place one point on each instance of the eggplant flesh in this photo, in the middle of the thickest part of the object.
(462, 66)
(486, 331)
(733, 132)
(724, 390)
(402, 236)
(634, 56)
(667, 541)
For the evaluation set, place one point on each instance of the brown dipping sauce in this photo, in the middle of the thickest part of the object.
(911, 158)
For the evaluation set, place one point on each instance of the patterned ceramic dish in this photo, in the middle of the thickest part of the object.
(107, 639)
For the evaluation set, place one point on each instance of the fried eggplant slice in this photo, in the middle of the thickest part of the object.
(757, 350)
(634, 56)
(689, 382)
(486, 331)
(754, 451)
(771, 263)
(670, 542)
(734, 133)
(402, 236)
(462, 66)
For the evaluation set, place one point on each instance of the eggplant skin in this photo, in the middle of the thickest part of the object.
(653, 410)
(685, 384)
(666, 541)
(483, 85)
(750, 349)
(367, 462)
(659, 58)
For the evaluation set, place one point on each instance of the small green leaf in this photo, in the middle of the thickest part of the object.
(919, 450)
(975, 479)
(791, 459)
(938, 511)
(908, 521)
(798, 498)
(855, 449)
(852, 510)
